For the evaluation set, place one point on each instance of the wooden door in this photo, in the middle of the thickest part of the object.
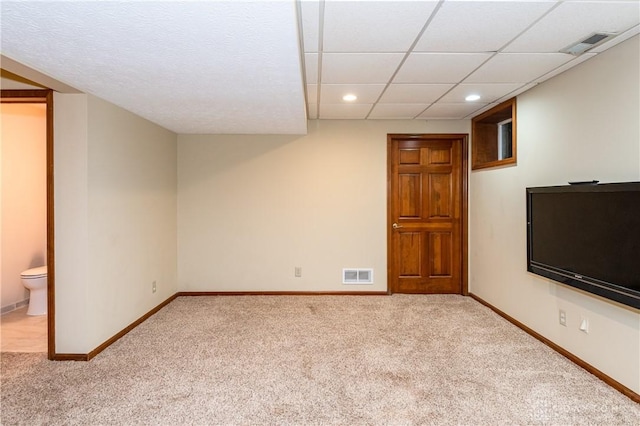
(427, 213)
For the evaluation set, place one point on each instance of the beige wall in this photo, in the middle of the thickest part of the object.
(116, 220)
(581, 125)
(24, 197)
(252, 208)
(72, 285)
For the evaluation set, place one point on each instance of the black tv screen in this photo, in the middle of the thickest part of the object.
(587, 236)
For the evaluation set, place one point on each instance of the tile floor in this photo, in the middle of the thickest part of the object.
(20, 332)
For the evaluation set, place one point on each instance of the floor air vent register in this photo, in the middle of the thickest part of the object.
(357, 276)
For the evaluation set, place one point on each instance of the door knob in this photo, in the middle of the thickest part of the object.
(396, 226)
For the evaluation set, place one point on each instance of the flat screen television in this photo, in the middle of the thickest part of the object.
(587, 236)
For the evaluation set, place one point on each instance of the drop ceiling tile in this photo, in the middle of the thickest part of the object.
(359, 68)
(517, 67)
(373, 26)
(311, 67)
(414, 93)
(487, 92)
(451, 111)
(310, 13)
(572, 21)
(344, 111)
(312, 93)
(479, 26)
(439, 67)
(366, 93)
(395, 111)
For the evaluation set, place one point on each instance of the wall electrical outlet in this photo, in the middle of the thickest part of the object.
(562, 317)
(298, 271)
(153, 287)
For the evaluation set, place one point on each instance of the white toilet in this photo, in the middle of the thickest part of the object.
(36, 281)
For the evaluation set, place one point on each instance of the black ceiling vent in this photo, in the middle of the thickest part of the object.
(588, 43)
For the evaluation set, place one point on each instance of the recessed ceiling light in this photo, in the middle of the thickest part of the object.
(349, 98)
(472, 98)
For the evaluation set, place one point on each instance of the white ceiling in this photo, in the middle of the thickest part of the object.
(250, 66)
(420, 59)
(190, 66)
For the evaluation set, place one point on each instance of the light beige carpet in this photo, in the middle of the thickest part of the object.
(350, 360)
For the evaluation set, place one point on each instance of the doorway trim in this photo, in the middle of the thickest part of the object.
(464, 200)
(45, 97)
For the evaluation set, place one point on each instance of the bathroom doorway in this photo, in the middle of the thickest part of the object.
(38, 331)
